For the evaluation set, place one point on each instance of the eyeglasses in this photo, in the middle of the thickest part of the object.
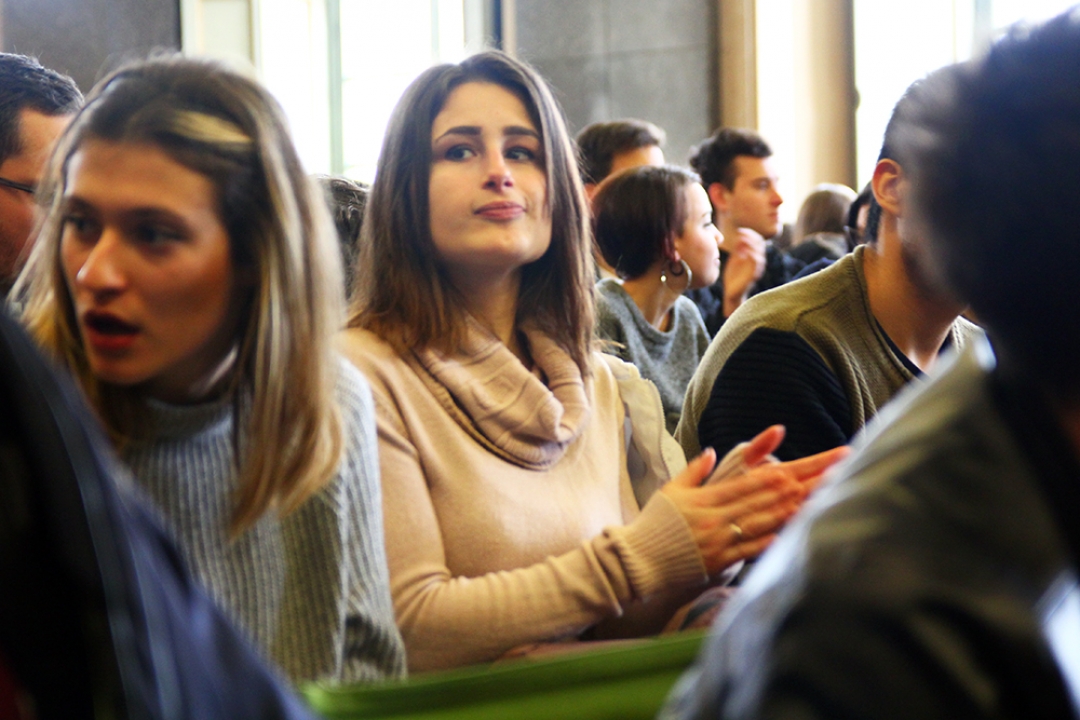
(29, 189)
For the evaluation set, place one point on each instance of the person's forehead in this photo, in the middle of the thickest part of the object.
(637, 157)
(39, 132)
(751, 168)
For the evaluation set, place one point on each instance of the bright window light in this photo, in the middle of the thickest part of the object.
(384, 46)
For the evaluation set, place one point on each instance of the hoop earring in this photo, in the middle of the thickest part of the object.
(673, 270)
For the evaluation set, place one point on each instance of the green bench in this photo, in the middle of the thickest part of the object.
(620, 683)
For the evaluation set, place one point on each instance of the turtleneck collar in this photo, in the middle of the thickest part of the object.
(529, 418)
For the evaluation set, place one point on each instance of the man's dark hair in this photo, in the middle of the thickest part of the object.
(714, 159)
(26, 85)
(348, 201)
(599, 143)
(888, 143)
(993, 151)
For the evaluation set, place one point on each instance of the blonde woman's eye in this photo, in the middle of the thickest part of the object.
(156, 234)
(78, 224)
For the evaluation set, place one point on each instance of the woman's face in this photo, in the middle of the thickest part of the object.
(148, 265)
(699, 242)
(488, 188)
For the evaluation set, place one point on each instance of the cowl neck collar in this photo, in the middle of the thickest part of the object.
(528, 418)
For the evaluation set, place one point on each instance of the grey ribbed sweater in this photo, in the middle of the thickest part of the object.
(311, 590)
(667, 358)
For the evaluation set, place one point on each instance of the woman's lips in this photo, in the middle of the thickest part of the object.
(107, 333)
(500, 211)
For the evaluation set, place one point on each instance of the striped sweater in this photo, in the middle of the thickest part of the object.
(809, 355)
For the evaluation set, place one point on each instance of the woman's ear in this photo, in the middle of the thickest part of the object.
(675, 241)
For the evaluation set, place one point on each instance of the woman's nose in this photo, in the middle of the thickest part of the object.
(102, 269)
(498, 172)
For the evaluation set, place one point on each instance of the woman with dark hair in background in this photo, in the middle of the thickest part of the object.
(519, 501)
(654, 226)
(187, 275)
(820, 229)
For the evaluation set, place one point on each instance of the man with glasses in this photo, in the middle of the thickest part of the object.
(36, 104)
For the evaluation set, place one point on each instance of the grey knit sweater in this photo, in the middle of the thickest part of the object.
(666, 358)
(312, 589)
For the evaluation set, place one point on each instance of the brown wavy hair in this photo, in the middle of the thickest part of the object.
(403, 291)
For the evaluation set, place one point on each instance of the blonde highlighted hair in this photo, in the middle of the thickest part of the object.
(288, 436)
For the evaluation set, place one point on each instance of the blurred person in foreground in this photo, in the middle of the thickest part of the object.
(936, 575)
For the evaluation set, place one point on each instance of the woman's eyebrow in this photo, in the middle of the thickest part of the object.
(521, 130)
(461, 130)
(475, 131)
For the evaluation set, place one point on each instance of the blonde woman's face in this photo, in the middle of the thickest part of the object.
(488, 188)
(147, 262)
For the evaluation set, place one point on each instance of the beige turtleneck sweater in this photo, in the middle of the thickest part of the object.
(510, 517)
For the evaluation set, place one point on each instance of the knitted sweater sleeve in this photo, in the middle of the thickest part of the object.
(776, 377)
(374, 649)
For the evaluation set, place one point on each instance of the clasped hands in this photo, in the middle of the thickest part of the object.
(736, 517)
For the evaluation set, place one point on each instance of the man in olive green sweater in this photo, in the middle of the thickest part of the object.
(821, 355)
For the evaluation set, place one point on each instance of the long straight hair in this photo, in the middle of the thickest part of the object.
(403, 290)
(288, 435)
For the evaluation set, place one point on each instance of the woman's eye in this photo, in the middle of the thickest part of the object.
(520, 153)
(459, 152)
(78, 224)
(156, 234)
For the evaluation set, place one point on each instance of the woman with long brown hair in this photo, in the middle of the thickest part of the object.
(519, 466)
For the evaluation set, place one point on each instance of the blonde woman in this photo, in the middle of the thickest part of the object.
(519, 509)
(187, 275)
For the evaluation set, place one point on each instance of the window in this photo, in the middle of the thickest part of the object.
(897, 43)
(383, 47)
(338, 67)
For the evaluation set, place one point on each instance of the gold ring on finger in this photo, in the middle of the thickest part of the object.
(739, 534)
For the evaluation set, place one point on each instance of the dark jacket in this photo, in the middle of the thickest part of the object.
(98, 615)
(934, 577)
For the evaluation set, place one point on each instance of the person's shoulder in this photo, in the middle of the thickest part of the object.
(367, 351)
(609, 287)
(685, 309)
(360, 341)
(353, 390)
(609, 368)
(785, 306)
(611, 297)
